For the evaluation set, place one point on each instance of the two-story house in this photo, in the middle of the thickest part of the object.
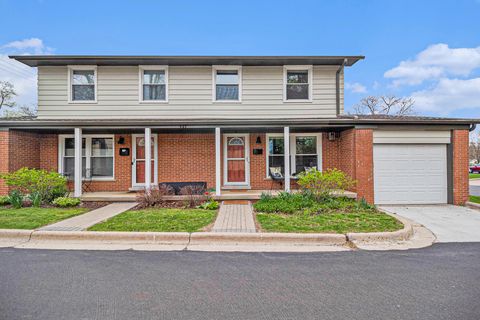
(231, 122)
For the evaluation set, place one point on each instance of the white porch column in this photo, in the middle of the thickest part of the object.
(218, 180)
(148, 158)
(77, 172)
(286, 139)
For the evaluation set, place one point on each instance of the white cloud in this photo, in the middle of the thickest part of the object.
(449, 95)
(355, 87)
(23, 78)
(435, 62)
(34, 45)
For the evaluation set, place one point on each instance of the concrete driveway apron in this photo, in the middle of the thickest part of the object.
(449, 223)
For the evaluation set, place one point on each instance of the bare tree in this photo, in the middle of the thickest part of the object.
(474, 147)
(6, 94)
(22, 111)
(390, 105)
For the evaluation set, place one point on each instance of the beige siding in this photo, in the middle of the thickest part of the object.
(190, 95)
(411, 136)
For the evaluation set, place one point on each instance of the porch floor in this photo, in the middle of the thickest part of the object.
(226, 195)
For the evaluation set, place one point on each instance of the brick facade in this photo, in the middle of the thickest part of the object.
(191, 157)
(460, 161)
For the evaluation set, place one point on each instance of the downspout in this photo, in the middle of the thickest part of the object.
(337, 79)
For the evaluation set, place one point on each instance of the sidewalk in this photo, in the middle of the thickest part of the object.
(84, 221)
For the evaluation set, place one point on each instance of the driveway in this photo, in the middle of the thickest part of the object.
(449, 223)
(475, 187)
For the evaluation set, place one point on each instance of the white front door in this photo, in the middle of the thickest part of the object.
(138, 160)
(236, 163)
(410, 173)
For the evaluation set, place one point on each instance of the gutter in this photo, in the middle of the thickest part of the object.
(337, 87)
(473, 126)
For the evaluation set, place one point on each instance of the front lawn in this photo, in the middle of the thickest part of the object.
(475, 199)
(32, 218)
(474, 175)
(160, 220)
(297, 213)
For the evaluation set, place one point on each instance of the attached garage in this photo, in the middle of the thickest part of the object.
(410, 167)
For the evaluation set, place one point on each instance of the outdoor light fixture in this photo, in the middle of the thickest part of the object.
(121, 140)
(259, 140)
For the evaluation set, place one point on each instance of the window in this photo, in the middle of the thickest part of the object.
(227, 83)
(298, 81)
(276, 154)
(153, 83)
(305, 152)
(82, 84)
(97, 156)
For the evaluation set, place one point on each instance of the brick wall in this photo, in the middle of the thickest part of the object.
(364, 164)
(4, 152)
(24, 150)
(186, 157)
(460, 140)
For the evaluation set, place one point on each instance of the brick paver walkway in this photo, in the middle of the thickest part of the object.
(235, 218)
(90, 218)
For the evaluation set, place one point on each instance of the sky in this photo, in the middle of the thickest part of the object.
(427, 50)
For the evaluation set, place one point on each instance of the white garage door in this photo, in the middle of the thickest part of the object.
(410, 173)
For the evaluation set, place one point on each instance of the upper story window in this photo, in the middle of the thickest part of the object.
(298, 83)
(82, 84)
(154, 83)
(227, 84)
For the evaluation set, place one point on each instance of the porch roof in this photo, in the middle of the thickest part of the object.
(342, 121)
(63, 60)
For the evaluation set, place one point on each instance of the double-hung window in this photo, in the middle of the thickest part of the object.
(153, 83)
(97, 156)
(82, 84)
(227, 83)
(305, 152)
(297, 83)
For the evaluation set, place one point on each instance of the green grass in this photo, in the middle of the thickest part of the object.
(329, 222)
(32, 218)
(160, 220)
(300, 213)
(474, 175)
(475, 199)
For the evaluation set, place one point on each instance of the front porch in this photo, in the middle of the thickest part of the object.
(226, 195)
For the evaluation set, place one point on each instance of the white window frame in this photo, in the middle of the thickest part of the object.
(216, 68)
(143, 68)
(287, 68)
(293, 141)
(88, 152)
(70, 70)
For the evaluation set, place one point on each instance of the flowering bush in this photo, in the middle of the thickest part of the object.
(321, 185)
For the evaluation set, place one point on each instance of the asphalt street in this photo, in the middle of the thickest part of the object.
(475, 190)
(439, 282)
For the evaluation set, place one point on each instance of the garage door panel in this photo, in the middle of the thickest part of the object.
(410, 173)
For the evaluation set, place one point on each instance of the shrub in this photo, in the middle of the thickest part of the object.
(66, 202)
(195, 195)
(209, 205)
(15, 198)
(284, 203)
(321, 185)
(154, 196)
(4, 200)
(36, 199)
(47, 185)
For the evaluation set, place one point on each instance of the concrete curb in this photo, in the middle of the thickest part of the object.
(112, 237)
(472, 205)
(268, 238)
(15, 234)
(399, 235)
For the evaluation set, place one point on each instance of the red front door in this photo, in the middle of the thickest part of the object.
(236, 159)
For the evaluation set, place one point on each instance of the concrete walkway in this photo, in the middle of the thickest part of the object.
(90, 218)
(235, 218)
